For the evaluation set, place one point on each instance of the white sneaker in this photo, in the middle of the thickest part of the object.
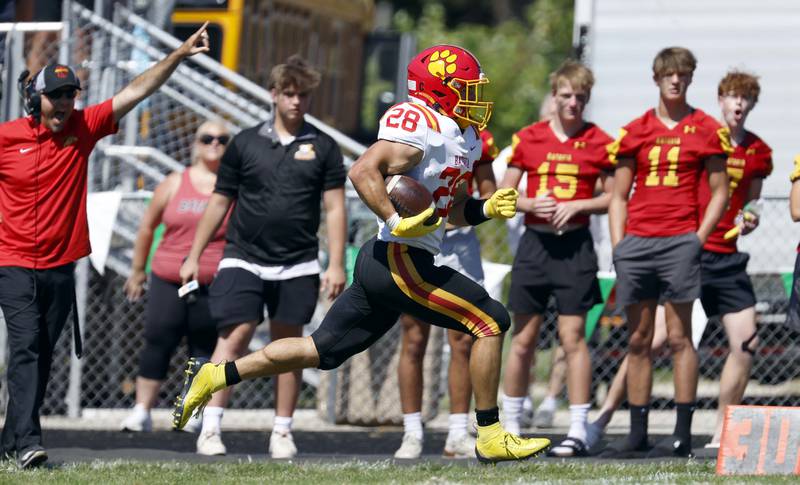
(462, 447)
(410, 449)
(544, 418)
(282, 445)
(195, 424)
(210, 443)
(137, 422)
(526, 418)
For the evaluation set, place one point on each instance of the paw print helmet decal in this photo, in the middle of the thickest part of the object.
(449, 79)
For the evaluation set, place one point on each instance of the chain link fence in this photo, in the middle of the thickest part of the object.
(156, 139)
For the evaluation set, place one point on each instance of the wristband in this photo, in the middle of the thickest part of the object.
(474, 211)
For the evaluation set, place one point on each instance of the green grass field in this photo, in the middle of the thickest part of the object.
(377, 472)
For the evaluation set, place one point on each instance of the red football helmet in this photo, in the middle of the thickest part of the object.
(449, 79)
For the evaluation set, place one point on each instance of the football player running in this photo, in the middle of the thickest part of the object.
(461, 251)
(434, 139)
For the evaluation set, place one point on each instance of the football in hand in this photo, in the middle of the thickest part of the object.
(408, 196)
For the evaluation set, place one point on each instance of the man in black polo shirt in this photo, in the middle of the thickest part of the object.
(277, 172)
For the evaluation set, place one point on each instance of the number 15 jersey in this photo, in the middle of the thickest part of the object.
(447, 158)
(669, 162)
(565, 170)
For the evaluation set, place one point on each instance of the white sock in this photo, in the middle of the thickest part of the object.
(578, 414)
(512, 409)
(212, 419)
(549, 403)
(140, 411)
(412, 424)
(458, 426)
(282, 424)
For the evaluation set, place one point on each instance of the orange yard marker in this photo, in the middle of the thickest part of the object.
(760, 440)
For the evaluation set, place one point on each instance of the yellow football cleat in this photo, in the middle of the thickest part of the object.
(496, 444)
(202, 380)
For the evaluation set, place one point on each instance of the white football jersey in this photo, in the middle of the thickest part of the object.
(448, 155)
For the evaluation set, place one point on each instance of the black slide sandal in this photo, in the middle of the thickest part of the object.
(569, 448)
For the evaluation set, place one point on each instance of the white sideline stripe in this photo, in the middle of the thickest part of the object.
(661, 422)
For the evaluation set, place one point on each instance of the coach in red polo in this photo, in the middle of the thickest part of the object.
(43, 226)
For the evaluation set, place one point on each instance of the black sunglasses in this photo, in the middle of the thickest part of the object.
(62, 93)
(209, 139)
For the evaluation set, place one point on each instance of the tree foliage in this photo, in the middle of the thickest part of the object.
(517, 55)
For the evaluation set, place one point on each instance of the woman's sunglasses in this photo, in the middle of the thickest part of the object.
(209, 139)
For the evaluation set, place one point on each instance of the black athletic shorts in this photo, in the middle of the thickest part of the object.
(547, 264)
(393, 278)
(237, 296)
(725, 287)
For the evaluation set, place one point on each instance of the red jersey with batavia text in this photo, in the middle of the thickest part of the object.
(565, 170)
(669, 162)
(751, 159)
(43, 177)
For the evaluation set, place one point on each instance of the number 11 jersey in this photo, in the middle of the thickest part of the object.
(447, 158)
(669, 163)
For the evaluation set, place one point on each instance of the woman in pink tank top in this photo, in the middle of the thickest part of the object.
(178, 202)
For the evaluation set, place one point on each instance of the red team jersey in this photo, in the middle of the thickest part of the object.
(669, 163)
(750, 160)
(489, 152)
(568, 170)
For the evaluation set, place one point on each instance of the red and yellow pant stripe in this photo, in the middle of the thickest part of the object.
(439, 300)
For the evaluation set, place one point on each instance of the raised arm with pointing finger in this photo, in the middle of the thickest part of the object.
(147, 82)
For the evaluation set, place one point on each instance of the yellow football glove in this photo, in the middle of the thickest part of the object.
(503, 203)
(414, 226)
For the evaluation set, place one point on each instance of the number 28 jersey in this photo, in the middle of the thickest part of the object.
(669, 162)
(565, 170)
(447, 159)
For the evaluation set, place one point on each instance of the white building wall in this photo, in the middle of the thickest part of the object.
(760, 36)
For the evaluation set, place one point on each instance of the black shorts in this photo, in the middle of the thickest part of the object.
(237, 296)
(563, 266)
(390, 279)
(725, 287)
(169, 319)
